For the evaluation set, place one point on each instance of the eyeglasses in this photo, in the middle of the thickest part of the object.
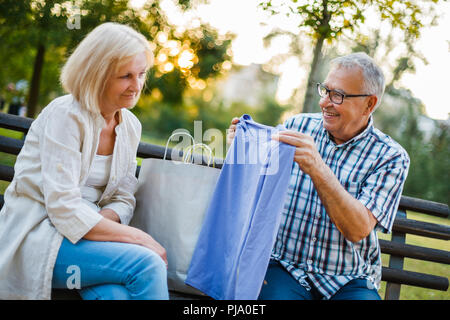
(336, 96)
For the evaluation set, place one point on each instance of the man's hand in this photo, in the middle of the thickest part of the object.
(231, 132)
(306, 154)
(349, 215)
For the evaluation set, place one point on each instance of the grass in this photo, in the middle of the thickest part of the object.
(11, 133)
(5, 158)
(416, 293)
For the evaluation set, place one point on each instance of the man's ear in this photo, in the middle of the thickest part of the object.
(371, 103)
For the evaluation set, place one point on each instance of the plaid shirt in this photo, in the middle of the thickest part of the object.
(372, 168)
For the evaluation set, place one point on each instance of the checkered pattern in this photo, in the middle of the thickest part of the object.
(372, 168)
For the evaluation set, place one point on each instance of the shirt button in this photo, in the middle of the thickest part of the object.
(309, 261)
(59, 167)
(314, 239)
(318, 216)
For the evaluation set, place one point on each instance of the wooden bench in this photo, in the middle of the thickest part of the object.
(394, 274)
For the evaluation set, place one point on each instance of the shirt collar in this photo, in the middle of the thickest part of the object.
(100, 121)
(356, 138)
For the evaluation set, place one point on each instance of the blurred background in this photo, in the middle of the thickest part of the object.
(219, 59)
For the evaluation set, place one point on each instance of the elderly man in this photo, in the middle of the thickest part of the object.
(346, 182)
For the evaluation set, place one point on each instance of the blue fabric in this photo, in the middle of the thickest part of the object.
(111, 271)
(241, 223)
(280, 285)
(372, 168)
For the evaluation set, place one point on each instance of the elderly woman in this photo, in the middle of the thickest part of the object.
(64, 221)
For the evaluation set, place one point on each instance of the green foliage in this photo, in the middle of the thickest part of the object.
(28, 25)
(171, 85)
(208, 54)
(328, 20)
(399, 116)
(160, 119)
(270, 112)
(331, 18)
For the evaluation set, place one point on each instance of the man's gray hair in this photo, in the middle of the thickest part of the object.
(374, 82)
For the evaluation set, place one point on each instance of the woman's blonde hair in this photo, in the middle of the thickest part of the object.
(97, 57)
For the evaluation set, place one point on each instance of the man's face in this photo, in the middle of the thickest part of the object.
(345, 121)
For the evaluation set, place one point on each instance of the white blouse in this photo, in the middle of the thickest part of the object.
(43, 203)
(97, 179)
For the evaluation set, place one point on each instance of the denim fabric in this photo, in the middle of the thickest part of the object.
(43, 200)
(372, 168)
(241, 223)
(110, 271)
(280, 285)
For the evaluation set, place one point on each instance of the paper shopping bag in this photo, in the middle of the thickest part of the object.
(171, 202)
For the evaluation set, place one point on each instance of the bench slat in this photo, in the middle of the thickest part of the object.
(420, 228)
(146, 150)
(10, 145)
(414, 279)
(414, 252)
(175, 295)
(13, 122)
(402, 225)
(6, 173)
(424, 206)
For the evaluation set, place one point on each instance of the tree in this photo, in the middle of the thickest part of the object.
(30, 26)
(38, 27)
(187, 60)
(403, 117)
(41, 31)
(328, 20)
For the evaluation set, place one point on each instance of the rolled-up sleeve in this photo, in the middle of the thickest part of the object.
(60, 152)
(382, 190)
(123, 201)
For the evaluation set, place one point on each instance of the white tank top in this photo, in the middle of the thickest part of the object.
(98, 178)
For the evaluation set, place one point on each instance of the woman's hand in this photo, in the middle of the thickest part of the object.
(108, 230)
(147, 241)
(110, 214)
(231, 132)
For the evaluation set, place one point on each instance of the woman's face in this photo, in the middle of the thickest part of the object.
(124, 87)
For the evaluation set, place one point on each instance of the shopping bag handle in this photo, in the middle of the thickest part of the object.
(177, 134)
(190, 152)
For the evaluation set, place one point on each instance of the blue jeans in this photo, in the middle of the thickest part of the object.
(280, 285)
(110, 271)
